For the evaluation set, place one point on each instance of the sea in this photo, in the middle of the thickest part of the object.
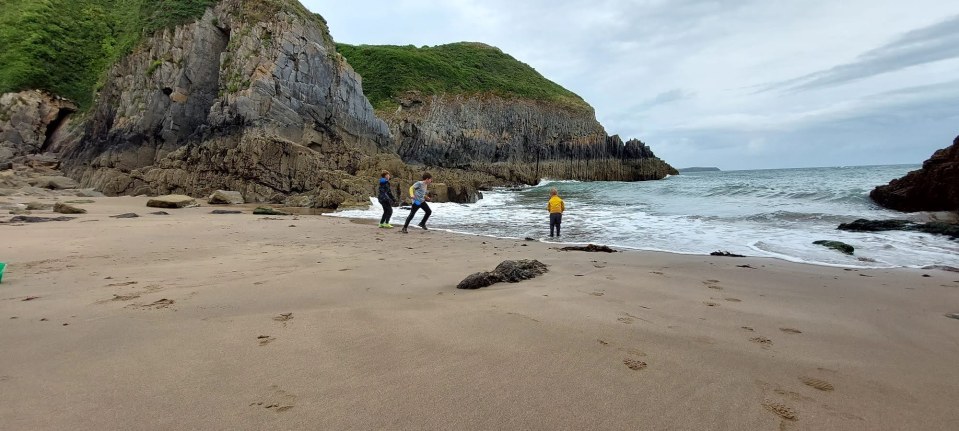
(775, 213)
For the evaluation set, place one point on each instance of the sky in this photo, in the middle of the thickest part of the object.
(737, 84)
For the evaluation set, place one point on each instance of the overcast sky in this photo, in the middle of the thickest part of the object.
(738, 84)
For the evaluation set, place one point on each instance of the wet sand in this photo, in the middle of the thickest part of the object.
(200, 321)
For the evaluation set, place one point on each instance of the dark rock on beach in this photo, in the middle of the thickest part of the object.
(30, 219)
(836, 245)
(723, 253)
(863, 225)
(226, 212)
(935, 187)
(591, 248)
(267, 211)
(510, 271)
(126, 215)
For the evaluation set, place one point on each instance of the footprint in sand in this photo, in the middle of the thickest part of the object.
(119, 298)
(265, 339)
(634, 352)
(597, 293)
(763, 341)
(790, 330)
(781, 410)
(634, 364)
(711, 304)
(156, 305)
(284, 317)
(625, 320)
(656, 272)
(279, 400)
(734, 300)
(820, 384)
(713, 284)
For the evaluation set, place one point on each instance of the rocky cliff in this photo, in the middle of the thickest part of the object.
(253, 96)
(474, 107)
(935, 187)
(516, 140)
(31, 123)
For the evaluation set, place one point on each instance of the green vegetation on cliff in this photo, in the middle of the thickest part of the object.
(457, 68)
(64, 46)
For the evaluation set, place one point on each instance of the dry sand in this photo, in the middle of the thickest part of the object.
(181, 322)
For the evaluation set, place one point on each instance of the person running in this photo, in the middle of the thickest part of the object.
(418, 192)
(386, 199)
(555, 208)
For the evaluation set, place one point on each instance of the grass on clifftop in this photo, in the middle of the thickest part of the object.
(457, 68)
(65, 46)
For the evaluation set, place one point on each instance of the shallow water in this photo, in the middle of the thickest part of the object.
(774, 213)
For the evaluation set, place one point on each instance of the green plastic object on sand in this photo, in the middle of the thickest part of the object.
(3, 266)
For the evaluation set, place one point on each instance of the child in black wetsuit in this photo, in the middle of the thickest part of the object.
(386, 198)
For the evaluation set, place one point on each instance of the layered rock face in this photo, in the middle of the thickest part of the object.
(935, 187)
(31, 123)
(248, 99)
(516, 140)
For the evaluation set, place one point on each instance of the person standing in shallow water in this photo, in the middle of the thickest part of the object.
(419, 194)
(555, 208)
(386, 198)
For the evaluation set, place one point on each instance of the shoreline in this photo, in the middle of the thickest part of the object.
(183, 322)
(624, 248)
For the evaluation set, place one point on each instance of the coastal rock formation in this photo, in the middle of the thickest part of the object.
(516, 140)
(32, 122)
(251, 97)
(935, 227)
(935, 187)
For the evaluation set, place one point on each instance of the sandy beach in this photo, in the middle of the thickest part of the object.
(200, 321)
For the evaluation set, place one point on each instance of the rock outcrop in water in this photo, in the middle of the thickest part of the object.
(517, 140)
(935, 187)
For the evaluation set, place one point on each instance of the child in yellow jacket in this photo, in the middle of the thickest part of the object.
(555, 208)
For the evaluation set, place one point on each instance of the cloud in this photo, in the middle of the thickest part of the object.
(682, 75)
(926, 45)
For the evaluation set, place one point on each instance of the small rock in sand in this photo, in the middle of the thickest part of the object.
(127, 215)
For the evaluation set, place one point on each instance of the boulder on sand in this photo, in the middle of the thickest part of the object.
(63, 208)
(171, 201)
(224, 197)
